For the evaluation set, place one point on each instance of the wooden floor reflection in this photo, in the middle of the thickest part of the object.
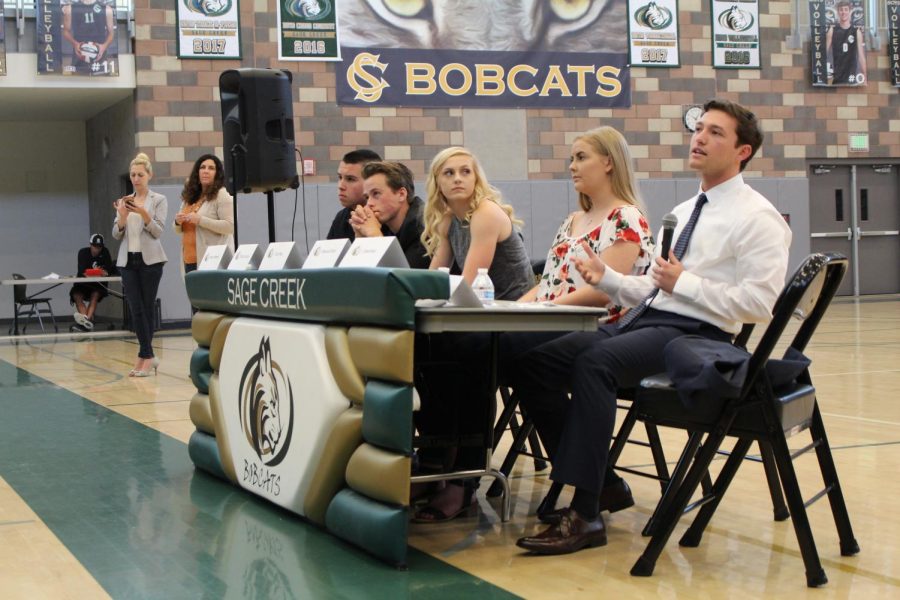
(744, 554)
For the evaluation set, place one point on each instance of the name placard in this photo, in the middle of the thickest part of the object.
(461, 294)
(326, 253)
(216, 257)
(281, 255)
(375, 252)
(246, 258)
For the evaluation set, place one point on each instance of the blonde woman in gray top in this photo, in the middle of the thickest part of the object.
(140, 221)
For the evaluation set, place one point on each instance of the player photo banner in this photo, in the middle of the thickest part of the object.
(837, 42)
(209, 29)
(653, 33)
(2, 43)
(893, 40)
(735, 25)
(77, 38)
(307, 30)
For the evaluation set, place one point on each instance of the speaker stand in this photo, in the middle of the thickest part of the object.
(270, 201)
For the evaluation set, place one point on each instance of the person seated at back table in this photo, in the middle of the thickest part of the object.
(466, 222)
(392, 208)
(85, 296)
(350, 191)
(726, 268)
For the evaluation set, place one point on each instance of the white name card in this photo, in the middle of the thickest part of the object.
(281, 255)
(375, 252)
(461, 294)
(326, 253)
(216, 257)
(246, 258)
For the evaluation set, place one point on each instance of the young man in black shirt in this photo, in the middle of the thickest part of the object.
(350, 191)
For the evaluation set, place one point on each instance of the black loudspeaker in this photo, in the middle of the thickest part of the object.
(258, 130)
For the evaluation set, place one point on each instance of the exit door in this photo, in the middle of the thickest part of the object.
(855, 210)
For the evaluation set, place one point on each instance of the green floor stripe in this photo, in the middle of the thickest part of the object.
(128, 504)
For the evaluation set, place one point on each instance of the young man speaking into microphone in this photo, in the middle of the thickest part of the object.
(726, 268)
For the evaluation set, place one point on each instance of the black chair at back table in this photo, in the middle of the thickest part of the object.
(760, 413)
(31, 306)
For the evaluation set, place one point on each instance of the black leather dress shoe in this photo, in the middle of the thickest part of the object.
(613, 498)
(571, 534)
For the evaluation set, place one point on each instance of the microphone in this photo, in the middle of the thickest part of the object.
(669, 222)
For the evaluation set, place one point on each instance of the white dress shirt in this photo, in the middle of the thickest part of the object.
(734, 267)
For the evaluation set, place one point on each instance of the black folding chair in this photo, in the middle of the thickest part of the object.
(30, 306)
(760, 413)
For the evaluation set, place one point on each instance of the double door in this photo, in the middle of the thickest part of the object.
(855, 210)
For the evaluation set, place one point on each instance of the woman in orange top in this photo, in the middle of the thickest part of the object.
(206, 217)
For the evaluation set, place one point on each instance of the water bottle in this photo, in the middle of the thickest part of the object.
(483, 287)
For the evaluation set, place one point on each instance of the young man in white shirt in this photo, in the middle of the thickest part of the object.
(731, 271)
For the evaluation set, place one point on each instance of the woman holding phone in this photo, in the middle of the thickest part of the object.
(140, 221)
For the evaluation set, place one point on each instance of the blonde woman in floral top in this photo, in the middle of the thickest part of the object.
(610, 220)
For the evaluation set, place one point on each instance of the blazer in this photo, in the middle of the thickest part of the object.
(158, 207)
(216, 224)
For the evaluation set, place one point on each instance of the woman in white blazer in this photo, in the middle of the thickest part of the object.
(140, 221)
(206, 217)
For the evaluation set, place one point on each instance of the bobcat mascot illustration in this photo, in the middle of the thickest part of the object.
(266, 406)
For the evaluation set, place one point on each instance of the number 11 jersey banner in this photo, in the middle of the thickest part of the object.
(77, 37)
(209, 29)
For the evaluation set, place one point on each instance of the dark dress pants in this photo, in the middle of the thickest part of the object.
(593, 366)
(140, 282)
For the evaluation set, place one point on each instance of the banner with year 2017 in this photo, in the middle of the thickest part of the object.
(208, 29)
(307, 30)
(77, 37)
(735, 25)
(653, 33)
(893, 40)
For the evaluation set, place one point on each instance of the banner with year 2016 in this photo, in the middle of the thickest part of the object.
(307, 30)
(209, 29)
(735, 25)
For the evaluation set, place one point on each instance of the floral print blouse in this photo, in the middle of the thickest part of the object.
(623, 223)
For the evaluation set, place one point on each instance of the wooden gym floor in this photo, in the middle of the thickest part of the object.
(99, 499)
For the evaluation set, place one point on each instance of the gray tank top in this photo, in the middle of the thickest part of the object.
(511, 268)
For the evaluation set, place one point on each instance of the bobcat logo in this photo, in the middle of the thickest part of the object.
(310, 10)
(736, 19)
(357, 76)
(653, 16)
(266, 406)
(210, 8)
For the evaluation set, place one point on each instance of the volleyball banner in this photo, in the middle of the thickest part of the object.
(2, 43)
(77, 38)
(208, 29)
(837, 42)
(893, 40)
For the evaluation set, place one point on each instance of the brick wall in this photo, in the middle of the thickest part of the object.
(178, 115)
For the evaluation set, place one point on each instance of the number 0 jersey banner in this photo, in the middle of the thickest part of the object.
(837, 42)
(735, 34)
(653, 33)
(893, 40)
(77, 38)
(485, 53)
(209, 29)
(307, 30)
